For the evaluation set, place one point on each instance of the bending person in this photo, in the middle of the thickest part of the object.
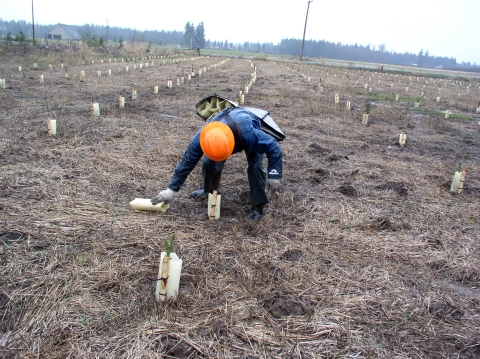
(230, 131)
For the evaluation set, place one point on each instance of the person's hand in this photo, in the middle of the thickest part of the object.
(273, 184)
(164, 196)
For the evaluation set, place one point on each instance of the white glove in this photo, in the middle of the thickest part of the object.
(273, 184)
(164, 196)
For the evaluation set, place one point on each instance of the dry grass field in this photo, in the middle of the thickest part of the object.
(364, 253)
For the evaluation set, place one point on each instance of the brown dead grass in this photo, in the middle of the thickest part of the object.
(363, 253)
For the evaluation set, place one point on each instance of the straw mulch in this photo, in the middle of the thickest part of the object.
(363, 253)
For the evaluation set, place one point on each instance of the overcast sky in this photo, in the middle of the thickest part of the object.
(443, 27)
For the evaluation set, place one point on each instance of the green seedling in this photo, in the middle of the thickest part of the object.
(367, 108)
(169, 245)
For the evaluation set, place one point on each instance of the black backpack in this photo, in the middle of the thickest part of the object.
(211, 105)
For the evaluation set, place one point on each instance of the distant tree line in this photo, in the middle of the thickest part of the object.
(363, 53)
(195, 37)
(339, 51)
(98, 33)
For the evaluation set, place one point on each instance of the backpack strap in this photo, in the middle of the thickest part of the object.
(239, 143)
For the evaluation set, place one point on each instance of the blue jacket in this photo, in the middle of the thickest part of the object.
(254, 139)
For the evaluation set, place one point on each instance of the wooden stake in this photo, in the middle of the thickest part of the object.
(458, 180)
(52, 127)
(164, 278)
(95, 109)
(365, 119)
(213, 204)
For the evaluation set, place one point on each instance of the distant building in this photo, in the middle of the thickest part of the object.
(63, 32)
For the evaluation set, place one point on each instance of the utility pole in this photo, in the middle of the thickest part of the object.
(33, 25)
(106, 43)
(305, 29)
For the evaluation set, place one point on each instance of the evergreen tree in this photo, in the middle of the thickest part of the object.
(200, 36)
(189, 34)
(420, 58)
(20, 37)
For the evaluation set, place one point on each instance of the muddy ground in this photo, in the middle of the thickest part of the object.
(363, 253)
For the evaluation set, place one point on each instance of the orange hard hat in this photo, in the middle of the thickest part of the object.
(217, 141)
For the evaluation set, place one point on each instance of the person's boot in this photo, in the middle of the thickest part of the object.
(199, 193)
(256, 214)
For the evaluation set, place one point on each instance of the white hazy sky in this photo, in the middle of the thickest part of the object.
(443, 27)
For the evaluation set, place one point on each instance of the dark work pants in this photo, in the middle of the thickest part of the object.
(257, 175)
